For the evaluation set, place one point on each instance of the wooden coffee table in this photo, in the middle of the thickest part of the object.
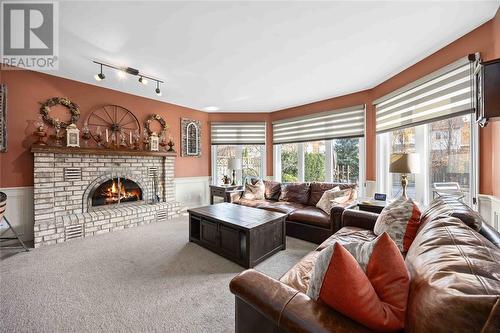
(241, 234)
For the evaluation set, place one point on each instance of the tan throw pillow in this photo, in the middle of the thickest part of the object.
(400, 219)
(325, 203)
(254, 191)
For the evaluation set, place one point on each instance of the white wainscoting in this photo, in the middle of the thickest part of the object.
(192, 191)
(19, 212)
(489, 208)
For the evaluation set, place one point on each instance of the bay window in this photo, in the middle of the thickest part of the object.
(431, 117)
(244, 141)
(323, 147)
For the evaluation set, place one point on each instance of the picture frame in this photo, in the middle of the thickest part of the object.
(3, 118)
(190, 137)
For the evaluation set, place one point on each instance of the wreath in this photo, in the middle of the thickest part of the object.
(72, 107)
(158, 118)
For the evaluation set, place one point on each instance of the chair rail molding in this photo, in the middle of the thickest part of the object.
(489, 208)
(19, 212)
(192, 191)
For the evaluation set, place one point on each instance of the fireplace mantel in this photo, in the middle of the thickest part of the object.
(99, 151)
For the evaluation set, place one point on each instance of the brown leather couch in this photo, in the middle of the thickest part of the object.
(298, 201)
(455, 279)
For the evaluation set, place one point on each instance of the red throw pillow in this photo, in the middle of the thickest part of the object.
(368, 282)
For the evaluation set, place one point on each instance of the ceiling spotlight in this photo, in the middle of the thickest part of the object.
(100, 76)
(157, 90)
(143, 80)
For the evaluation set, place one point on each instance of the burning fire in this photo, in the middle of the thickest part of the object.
(117, 192)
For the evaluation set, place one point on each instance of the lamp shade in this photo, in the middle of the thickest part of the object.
(404, 163)
(234, 164)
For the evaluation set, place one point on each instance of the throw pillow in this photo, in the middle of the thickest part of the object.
(366, 281)
(273, 189)
(400, 219)
(254, 191)
(346, 197)
(325, 203)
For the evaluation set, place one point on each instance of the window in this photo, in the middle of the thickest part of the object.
(337, 160)
(289, 162)
(252, 161)
(314, 161)
(444, 147)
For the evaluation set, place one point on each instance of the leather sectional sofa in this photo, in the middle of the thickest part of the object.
(304, 220)
(454, 269)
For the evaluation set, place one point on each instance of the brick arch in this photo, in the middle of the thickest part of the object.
(133, 176)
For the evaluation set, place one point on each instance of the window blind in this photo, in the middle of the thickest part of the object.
(238, 133)
(342, 123)
(441, 94)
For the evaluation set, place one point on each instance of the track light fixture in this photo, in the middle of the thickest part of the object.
(100, 76)
(157, 90)
(129, 70)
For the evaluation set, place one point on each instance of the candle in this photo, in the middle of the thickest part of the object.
(130, 137)
(106, 135)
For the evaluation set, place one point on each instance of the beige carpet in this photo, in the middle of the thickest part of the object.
(145, 279)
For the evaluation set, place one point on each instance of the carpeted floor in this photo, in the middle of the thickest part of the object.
(145, 279)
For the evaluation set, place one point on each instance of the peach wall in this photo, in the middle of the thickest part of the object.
(26, 89)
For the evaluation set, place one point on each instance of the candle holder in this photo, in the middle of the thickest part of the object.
(170, 145)
(58, 136)
(40, 132)
(86, 134)
(99, 137)
(136, 140)
(163, 141)
(123, 142)
(145, 139)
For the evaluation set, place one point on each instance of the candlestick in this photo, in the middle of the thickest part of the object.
(107, 135)
(130, 137)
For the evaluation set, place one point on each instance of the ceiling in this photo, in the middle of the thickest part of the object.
(256, 56)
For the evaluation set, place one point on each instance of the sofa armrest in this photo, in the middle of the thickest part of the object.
(283, 308)
(358, 218)
(336, 216)
(233, 196)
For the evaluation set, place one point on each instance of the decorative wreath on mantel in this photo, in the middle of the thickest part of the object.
(72, 107)
(158, 118)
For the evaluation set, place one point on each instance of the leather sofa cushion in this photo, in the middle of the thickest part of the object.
(272, 189)
(455, 276)
(295, 192)
(450, 206)
(299, 275)
(250, 203)
(317, 190)
(311, 215)
(348, 235)
(280, 206)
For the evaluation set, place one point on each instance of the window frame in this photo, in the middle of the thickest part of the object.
(216, 178)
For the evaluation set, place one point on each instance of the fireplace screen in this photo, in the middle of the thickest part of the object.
(115, 191)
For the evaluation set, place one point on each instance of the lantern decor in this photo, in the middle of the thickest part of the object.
(86, 134)
(145, 138)
(72, 136)
(154, 142)
(40, 131)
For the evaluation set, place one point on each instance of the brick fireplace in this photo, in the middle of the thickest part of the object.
(81, 192)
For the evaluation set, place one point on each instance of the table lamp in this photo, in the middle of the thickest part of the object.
(234, 164)
(404, 164)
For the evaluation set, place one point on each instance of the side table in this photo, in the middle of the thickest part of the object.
(374, 206)
(220, 191)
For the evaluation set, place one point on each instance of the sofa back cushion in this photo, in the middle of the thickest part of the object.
(317, 190)
(272, 189)
(451, 206)
(455, 279)
(295, 192)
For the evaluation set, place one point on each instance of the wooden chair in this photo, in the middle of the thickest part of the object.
(3, 207)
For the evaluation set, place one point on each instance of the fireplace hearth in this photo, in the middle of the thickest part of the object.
(115, 191)
(83, 192)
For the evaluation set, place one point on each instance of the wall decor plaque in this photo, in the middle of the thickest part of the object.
(190, 137)
(3, 118)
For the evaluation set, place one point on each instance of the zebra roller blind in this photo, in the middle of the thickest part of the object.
(441, 94)
(238, 133)
(342, 123)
